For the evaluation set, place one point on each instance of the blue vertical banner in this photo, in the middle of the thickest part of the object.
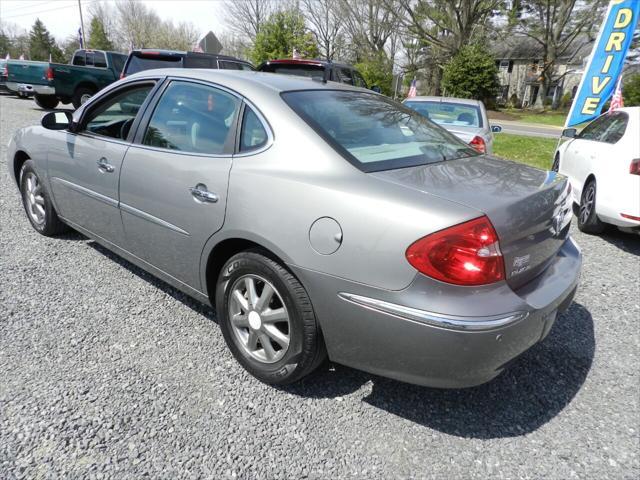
(606, 61)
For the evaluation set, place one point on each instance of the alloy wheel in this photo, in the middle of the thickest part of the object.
(587, 204)
(259, 318)
(34, 198)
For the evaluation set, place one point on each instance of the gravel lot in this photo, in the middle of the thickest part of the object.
(106, 372)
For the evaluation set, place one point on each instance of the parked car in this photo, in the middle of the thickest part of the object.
(317, 218)
(147, 59)
(466, 119)
(52, 83)
(3, 76)
(318, 69)
(603, 166)
(25, 78)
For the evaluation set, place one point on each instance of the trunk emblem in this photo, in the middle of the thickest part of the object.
(520, 264)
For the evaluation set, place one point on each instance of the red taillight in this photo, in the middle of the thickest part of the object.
(465, 254)
(478, 144)
(634, 168)
(49, 74)
(630, 217)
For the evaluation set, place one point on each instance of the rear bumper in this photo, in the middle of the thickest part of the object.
(474, 335)
(29, 89)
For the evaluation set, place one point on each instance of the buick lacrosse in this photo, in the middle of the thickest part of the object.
(318, 219)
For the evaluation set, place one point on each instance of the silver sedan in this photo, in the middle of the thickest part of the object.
(320, 220)
(466, 119)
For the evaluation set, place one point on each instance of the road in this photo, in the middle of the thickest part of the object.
(528, 129)
(106, 372)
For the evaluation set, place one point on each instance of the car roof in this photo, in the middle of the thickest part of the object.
(305, 61)
(246, 82)
(160, 51)
(463, 101)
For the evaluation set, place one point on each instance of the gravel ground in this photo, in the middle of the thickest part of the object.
(106, 372)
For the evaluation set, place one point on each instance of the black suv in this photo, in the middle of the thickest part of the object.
(319, 69)
(148, 59)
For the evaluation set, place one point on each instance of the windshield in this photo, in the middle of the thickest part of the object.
(373, 132)
(138, 64)
(312, 71)
(448, 113)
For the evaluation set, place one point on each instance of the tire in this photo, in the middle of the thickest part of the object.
(43, 217)
(556, 163)
(278, 365)
(81, 95)
(47, 102)
(588, 221)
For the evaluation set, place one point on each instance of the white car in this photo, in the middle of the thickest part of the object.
(603, 166)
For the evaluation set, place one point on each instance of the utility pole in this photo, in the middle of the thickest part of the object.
(84, 38)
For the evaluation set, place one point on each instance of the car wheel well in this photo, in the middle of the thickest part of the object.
(222, 252)
(18, 160)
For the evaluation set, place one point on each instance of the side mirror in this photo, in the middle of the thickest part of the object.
(376, 89)
(569, 132)
(57, 120)
(496, 128)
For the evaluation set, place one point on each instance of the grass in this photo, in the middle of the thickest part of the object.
(551, 118)
(534, 151)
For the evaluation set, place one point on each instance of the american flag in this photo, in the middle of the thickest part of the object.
(616, 100)
(80, 38)
(412, 90)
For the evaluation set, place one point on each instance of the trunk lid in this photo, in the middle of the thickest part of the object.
(465, 134)
(529, 208)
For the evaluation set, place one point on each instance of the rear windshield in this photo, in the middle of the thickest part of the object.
(138, 64)
(373, 132)
(448, 113)
(312, 71)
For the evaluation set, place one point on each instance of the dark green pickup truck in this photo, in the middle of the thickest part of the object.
(52, 83)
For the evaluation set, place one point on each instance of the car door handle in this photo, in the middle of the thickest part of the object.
(105, 166)
(201, 193)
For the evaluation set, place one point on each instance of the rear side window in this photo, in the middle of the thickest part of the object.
(98, 59)
(192, 118)
(200, 62)
(149, 62)
(230, 65)
(253, 133)
(79, 59)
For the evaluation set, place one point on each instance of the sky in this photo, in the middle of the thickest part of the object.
(62, 17)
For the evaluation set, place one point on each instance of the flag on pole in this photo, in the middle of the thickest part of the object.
(80, 39)
(616, 100)
(606, 61)
(412, 90)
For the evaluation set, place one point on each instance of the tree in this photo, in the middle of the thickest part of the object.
(69, 46)
(42, 44)
(369, 24)
(559, 27)
(98, 38)
(327, 25)
(280, 35)
(245, 18)
(377, 70)
(471, 73)
(631, 90)
(440, 28)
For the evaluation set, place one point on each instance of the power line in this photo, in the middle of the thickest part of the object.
(22, 7)
(34, 13)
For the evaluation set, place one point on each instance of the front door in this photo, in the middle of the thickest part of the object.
(85, 169)
(173, 187)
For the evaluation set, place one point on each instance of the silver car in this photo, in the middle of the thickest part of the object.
(318, 219)
(466, 119)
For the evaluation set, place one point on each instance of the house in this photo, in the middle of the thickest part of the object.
(519, 61)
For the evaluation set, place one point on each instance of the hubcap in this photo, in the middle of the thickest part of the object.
(586, 206)
(34, 198)
(259, 318)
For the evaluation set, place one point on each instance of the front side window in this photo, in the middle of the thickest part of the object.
(114, 117)
(344, 74)
(141, 62)
(617, 128)
(253, 134)
(192, 118)
(375, 133)
(596, 129)
(358, 81)
(448, 113)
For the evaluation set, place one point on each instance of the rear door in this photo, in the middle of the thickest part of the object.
(173, 186)
(85, 165)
